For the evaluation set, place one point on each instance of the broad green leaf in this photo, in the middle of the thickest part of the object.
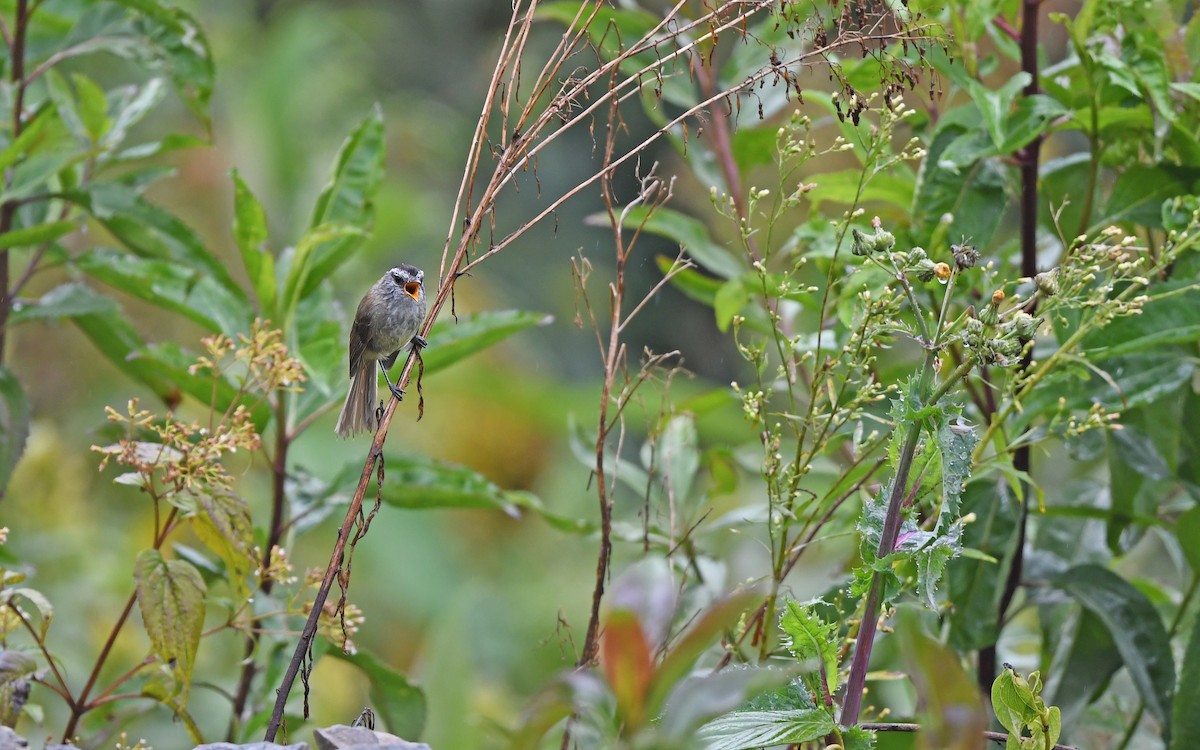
(223, 523)
(954, 716)
(451, 341)
(347, 199)
(1171, 316)
(37, 234)
(703, 632)
(400, 704)
(751, 730)
(729, 301)
(703, 696)
(689, 232)
(894, 188)
(171, 40)
(150, 231)
(107, 328)
(172, 286)
(14, 424)
(170, 595)
(1185, 721)
(1136, 629)
(691, 282)
(1187, 531)
(250, 231)
(1139, 192)
(809, 637)
(419, 482)
(972, 193)
(17, 671)
(679, 457)
(976, 586)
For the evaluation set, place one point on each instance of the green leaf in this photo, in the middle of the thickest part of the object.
(729, 301)
(171, 40)
(679, 456)
(170, 595)
(809, 637)
(691, 234)
(299, 263)
(223, 523)
(420, 482)
(37, 234)
(250, 231)
(691, 282)
(93, 107)
(14, 424)
(1136, 629)
(750, 730)
(64, 301)
(698, 638)
(400, 704)
(1185, 722)
(956, 440)
(1171, 316)
(1187, 531)
(171, 286)
(1139, 192)
(347, 199)
(150, 231)
(450, 341)
(953, 711)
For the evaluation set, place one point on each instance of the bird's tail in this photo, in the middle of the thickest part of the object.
(358, 413)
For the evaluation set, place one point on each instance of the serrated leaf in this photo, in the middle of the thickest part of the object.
(1136, 629)
(170, 595)
(223, 523)
(400, 704)
(956, 441)
(750, 730)
(14, 424)
(451, 341)
(809, 637)
(250, 231)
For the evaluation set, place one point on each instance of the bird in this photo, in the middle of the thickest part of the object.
(386, 322)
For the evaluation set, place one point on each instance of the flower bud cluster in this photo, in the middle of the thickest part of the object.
(998, 337)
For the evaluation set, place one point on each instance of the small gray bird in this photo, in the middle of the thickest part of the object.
(386, 322)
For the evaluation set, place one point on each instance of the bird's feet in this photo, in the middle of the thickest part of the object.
(397, 391)
(419, 343)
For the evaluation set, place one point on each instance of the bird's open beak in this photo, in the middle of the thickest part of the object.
(413, 289)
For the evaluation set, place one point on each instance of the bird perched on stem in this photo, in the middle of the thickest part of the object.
(387, 321)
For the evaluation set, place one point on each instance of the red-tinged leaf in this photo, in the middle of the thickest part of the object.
(627, 663)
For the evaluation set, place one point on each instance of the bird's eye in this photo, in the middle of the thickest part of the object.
(396, 277)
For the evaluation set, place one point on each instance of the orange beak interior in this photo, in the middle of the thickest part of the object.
(413, 289)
